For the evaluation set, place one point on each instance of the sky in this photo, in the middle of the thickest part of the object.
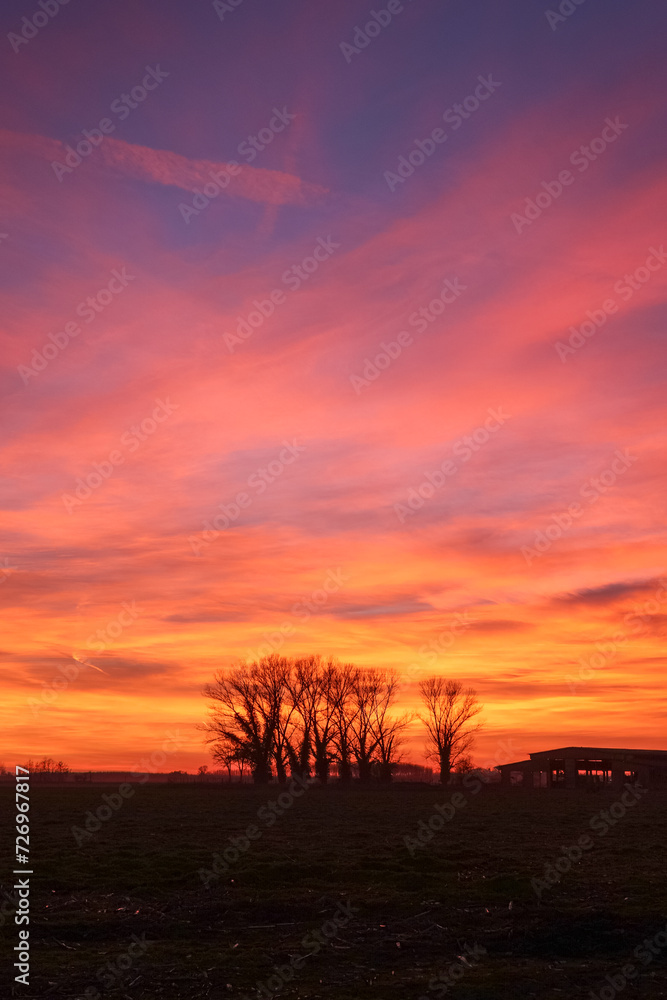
(332, 328)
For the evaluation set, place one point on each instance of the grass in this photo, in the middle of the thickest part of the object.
(412, 914)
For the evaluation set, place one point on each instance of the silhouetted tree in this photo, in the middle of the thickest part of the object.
(46, 766)
(388, 730)
(449, 710)
(363, 740)
(244, 716)
(375, 736)
(344, 714)
(317, 691)
(275, 673)
(298, 741)
(279, 714)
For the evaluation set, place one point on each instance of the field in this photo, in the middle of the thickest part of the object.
(326, 900)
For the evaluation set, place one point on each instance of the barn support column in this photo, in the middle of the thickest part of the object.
(570, 772)
(617, 774)
(644, 777)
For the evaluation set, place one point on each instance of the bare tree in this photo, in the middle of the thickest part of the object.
(298, 733)
(463, 765)
(43, 769)
(388, 730)
(275, 674)
(449, 710)
(362, 735)
(375, 735)
(236, 758)
(344, 714)
(318, 688)
(244, 717)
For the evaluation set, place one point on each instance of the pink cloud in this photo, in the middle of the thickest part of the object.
(159, 166)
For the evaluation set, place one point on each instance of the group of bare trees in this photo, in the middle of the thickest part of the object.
(46, 766)
(281, 717)
(40, 768)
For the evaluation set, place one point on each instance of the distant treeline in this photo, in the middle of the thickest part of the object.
(40, 768)
(204, 775)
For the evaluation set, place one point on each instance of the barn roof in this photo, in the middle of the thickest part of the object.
(656, 757)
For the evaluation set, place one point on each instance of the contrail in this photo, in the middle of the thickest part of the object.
(86, 663)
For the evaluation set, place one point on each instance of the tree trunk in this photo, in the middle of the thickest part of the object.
(281, 772)
(345, 770)
(385, 771)
(322, 767)
(364, 769)
(261, 774)
(445, 770)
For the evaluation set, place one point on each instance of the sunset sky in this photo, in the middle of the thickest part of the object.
(486, 502)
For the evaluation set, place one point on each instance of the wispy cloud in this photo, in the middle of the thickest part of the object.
(159, 166)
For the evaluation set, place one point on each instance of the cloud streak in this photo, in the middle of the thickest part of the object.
(159, 166)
